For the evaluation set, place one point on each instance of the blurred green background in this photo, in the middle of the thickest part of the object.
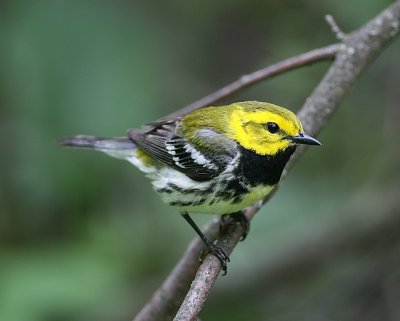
(83, 237)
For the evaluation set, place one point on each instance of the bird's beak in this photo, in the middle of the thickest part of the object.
(305, 139)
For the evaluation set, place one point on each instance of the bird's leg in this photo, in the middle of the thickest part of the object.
(236, 218)
(211, 247)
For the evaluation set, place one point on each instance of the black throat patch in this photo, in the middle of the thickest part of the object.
(267, 170)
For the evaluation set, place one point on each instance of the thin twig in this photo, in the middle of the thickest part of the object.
(245, 81)
(315, 113)
(335, 27)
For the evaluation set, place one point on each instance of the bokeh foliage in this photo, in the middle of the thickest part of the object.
(83, 237)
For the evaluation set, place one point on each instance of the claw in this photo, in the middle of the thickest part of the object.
(220, 255)
(236, 218)
(211, 247)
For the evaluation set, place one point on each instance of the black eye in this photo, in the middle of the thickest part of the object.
(272, 127)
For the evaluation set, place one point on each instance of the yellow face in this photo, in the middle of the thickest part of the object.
(266, 129)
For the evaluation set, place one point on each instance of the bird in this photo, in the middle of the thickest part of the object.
(213, 160)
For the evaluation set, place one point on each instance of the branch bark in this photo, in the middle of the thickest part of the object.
(357, 51)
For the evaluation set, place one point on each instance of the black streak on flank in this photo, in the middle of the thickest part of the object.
(189, 203)
(164, 190)
(192, 191)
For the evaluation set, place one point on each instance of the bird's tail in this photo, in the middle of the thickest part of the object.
(119, 147)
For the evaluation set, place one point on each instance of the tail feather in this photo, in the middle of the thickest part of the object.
(120, 147)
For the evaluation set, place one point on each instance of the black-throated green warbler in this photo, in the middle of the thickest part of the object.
(214, 160)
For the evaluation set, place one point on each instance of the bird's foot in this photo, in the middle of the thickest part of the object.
(236, 218)
(218, 253)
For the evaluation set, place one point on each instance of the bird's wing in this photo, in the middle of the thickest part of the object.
(201, 159)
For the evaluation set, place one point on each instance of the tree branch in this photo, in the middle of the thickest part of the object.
(245, 81)
(356, 52)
